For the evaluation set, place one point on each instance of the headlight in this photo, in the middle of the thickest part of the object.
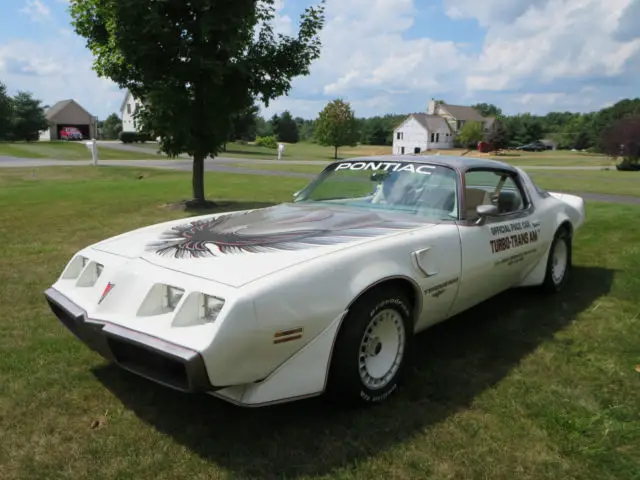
(90, 274)
(172, 297)
(197, 309)
(75, 267)
(211, 307)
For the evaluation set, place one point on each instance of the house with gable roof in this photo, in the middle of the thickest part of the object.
(434, 130)
(127, 109)
(69, 113)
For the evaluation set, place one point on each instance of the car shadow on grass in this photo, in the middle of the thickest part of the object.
(455, 362)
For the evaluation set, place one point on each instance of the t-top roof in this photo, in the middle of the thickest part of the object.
(454, 161)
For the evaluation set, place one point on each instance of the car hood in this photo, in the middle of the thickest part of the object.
(240, 247)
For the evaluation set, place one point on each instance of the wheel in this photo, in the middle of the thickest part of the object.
(372, 349)
(559, 262)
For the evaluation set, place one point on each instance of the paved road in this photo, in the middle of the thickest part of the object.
(185, 163)
(218, 165)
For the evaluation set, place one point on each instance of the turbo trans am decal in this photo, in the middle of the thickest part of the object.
(273, 229)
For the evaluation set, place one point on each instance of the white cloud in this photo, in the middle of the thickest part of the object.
(537, 55)
(366, 58)
(57, 70)
(547, 41)
(36, 10)
(282, 23)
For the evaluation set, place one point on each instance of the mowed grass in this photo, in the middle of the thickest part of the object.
(311, 151)
(523, 386)
(609, 182)
(558, 158)
(62, 150)
(293, 151)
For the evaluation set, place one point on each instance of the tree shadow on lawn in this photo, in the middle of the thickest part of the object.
(455, 361)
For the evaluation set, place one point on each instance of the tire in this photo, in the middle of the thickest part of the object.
(561, 251)
(374, 342)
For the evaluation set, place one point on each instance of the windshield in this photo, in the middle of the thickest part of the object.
(408, 187)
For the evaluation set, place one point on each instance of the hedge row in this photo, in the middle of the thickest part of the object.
(133, 137)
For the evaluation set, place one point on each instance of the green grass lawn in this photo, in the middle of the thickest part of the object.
(554, 158)
(310, 151)
(518, 387)
(60, 150)
(610, 182)
(295, 151)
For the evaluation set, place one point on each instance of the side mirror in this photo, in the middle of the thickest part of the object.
(485, 211)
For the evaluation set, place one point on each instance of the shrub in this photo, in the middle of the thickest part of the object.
(267, 142)
(143, 137)
(127, 137)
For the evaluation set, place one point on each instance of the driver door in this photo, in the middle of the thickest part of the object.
(497, 248)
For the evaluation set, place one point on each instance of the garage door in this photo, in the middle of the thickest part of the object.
(84, 129)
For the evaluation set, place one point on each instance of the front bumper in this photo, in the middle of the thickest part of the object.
(157, 360)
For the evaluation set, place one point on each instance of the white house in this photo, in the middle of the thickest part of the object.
(435, 129)
(420, 132)
(127, 109)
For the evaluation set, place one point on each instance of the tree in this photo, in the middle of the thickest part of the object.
(244, 124)
(193, 65)
(622, 139)
(497, 136)
(6, 113)
(306, 129)
(488, 109)
(28, 117)
(264, 128)
(524, 128)
(286, 128)
(470, 134)
(337, 126)
(111, 127)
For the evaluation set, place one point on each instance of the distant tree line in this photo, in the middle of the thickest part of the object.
(567, 130)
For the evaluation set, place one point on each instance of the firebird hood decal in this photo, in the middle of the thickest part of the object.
(283, 227)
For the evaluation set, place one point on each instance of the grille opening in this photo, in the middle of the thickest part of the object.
(150, 364)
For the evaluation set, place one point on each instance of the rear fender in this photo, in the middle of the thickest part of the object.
(537, 274)
(574, 208)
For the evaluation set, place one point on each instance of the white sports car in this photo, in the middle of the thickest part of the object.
(322, 295)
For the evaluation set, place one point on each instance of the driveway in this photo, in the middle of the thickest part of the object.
(210, 165)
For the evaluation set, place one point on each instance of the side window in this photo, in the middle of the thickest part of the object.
(484, 187)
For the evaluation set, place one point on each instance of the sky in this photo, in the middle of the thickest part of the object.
(385, 56)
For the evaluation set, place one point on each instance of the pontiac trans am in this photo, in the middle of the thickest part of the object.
(322, 295)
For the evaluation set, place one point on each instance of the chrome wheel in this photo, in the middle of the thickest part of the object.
(381, 349)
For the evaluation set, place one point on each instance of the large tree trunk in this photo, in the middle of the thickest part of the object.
(198, 178)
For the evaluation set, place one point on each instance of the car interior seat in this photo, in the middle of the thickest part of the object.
(475, 197)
